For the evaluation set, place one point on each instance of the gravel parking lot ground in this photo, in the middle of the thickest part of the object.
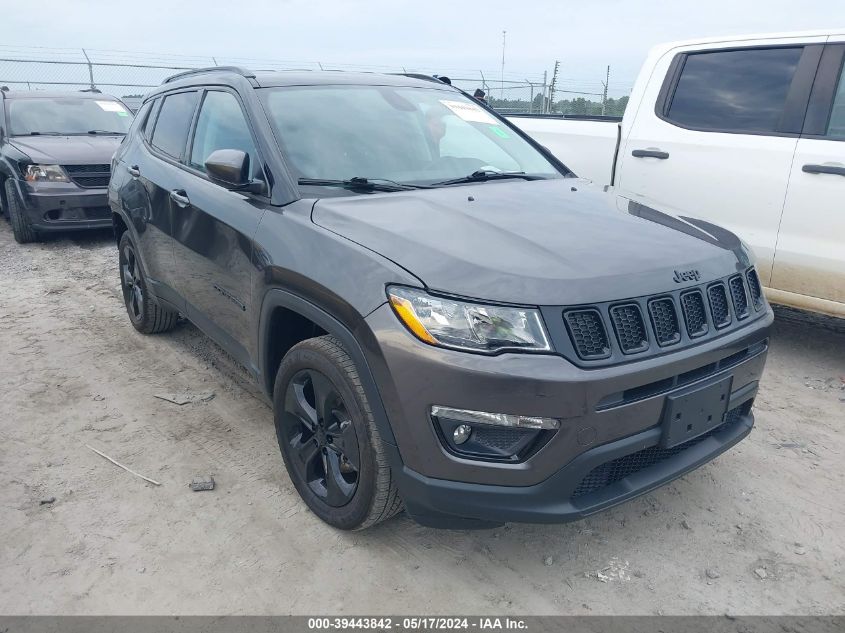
(759, 530)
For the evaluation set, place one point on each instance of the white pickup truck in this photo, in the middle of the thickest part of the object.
(748, 133)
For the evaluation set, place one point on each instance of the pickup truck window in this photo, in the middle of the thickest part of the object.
(734, 91)
(403, 134)
(836, 125)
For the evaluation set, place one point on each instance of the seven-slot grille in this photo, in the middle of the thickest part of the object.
(740, 298)
(692, 304)
(719, 305)
(629, 326)
(89, 176)
(609, 331)
(664, 318)
(588, 333)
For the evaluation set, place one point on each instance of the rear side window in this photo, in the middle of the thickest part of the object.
(836, 124)
(173, 122)
(151, 119)
(221, 125)
(734, 91)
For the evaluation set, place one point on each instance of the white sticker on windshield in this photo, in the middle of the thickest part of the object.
(111, 106)
(469, 111)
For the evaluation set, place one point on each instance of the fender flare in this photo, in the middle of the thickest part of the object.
(275, 298)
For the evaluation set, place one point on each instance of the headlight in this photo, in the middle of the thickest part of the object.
(468, 326)
(44, 173)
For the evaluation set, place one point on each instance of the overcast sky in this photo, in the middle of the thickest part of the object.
(446, 37)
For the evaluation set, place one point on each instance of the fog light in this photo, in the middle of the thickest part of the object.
(462, 433)
(496, 419)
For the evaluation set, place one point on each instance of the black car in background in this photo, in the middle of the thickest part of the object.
(55, 159)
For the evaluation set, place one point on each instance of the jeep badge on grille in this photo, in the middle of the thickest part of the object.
(686, 275)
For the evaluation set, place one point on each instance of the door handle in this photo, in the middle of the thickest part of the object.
(180, 197)
(824, 169)
(134, 171)
(650, 153)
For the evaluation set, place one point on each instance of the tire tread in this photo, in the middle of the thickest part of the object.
(21, 228)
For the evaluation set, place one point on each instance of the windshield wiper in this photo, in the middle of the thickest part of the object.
(40, 134)
(483, 175)
(362, 184)
(106, 132)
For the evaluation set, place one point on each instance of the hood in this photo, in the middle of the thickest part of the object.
(554, 242)
(68, 150)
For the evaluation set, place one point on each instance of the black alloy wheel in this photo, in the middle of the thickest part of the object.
(132, 283)
(321, 437)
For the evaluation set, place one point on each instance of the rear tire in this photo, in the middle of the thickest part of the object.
(146, 314)
(329, 441)
(21, 227)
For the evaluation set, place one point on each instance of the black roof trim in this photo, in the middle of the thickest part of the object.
(238, 70)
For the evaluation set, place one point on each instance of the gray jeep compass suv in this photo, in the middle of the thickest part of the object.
(444, 317)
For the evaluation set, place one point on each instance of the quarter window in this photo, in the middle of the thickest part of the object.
(173, 122)
(221, 125)
(734, 91)
(836, 124)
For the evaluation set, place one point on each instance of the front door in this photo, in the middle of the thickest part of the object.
(214, 229)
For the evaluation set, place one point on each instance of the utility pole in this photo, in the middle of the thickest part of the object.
(604, 94)
(552, 86)
(502, 77)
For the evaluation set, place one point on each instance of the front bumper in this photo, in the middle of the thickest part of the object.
(606, 414)
(64, 206)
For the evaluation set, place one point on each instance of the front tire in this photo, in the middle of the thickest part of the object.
(146, 314)
(329, 441)
(21, 227)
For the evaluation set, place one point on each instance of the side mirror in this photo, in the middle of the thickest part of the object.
(230, 168)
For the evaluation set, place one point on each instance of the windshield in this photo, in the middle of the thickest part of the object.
(67, 115)
(405, 135)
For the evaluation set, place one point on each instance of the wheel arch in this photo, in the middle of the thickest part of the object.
(278, 301)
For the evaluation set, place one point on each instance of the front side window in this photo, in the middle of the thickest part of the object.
(734, 91)
(404, 134)
(836, 123)
(172, 124)
(220, 125)
(67, 116)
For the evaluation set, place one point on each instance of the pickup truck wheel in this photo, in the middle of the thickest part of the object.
(145, 313)
(328, 439)
(21, 228)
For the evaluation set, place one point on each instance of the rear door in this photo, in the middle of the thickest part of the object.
(719, 143)
(159, 172)
(214, 227)
(810, 256)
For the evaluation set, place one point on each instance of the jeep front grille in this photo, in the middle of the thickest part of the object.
(616, 332)
(695, 314)
(629, 327)
(588, 333)
(740, 298)
(755, 288)
(664, 319)
(719, 305)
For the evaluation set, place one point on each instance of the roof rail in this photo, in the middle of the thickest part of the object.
(420, 76)
(238, 70)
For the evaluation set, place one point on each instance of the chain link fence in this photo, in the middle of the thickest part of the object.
(130, 75)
